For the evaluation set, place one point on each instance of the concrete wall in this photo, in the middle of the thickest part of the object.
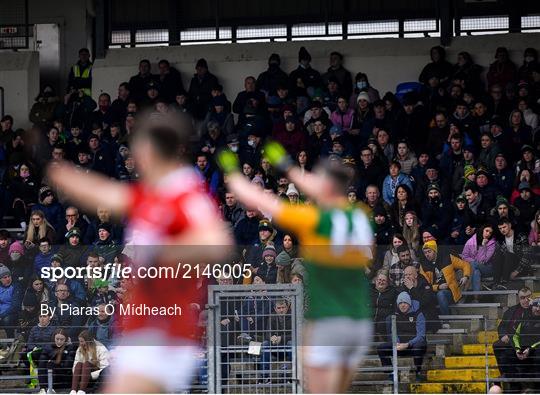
(71, 16)
(19, 76)
(386, 61)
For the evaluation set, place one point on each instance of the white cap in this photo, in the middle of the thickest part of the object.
(291, 190)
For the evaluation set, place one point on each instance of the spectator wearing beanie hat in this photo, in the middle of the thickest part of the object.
(304, 79)
(269, 80)
(283, 263)
(29, 316)
(105, 246)
(411, 333)
(436, 210)
(73, 251)
(268, 269)
(439, 269)
(10, 301)
(267, 236)
(220, 113)
(21, 267)
(50, 207)
(200, 88)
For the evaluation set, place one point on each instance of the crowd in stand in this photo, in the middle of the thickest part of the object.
(449, 166)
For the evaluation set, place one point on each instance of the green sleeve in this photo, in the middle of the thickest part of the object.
(515, 338)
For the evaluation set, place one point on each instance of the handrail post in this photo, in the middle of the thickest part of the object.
(486, 354)
(394, 355)
(50, 381)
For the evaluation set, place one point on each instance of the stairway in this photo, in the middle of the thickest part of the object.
(465, 371)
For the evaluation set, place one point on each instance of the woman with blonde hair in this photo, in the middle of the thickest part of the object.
(90, 359)
(39, 228)
(411, 231)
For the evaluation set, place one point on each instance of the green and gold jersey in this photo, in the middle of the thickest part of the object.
(337, 246)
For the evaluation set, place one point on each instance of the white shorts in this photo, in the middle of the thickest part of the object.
(336, 341)
(171, 366)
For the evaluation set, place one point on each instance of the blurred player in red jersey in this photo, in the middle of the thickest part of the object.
(170, 220)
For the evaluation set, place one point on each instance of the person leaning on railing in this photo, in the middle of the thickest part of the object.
(57, 356)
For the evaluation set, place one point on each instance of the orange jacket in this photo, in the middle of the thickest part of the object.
(449, 272)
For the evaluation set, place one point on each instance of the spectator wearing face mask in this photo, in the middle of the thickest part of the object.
(20, 266)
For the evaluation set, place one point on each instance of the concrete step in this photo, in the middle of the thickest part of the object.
(489, 310)
(469, 361)
(472, 323)
(519, 282)
(477, 349)
(468, 375)
(489, 337)
(505, 297)
(447, 388)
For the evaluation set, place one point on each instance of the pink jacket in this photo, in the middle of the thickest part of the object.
(471, 252)
(344, 120)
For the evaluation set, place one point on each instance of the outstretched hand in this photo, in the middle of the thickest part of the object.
(277, 156)
(228, 161)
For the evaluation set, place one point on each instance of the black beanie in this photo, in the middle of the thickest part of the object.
(274, 58)
(303, 54)
(106, 226)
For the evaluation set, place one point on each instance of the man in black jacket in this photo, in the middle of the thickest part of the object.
(200, 89)
(526, 342)
(369, 171)
(479, 207)
(269, 80)
(383, 298)
(139, 82)
(170, 81)
(502, 348)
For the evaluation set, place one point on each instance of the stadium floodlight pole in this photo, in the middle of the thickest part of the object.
(395, 372)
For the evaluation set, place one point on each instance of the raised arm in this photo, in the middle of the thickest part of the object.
(89, 190)
(308, 183)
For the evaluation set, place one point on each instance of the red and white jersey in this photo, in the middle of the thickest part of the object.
(156, 213)
(175, 204)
